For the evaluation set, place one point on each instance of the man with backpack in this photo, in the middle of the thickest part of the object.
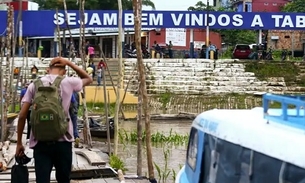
(52, 129)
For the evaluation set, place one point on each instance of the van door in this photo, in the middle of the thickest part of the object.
(194, 155)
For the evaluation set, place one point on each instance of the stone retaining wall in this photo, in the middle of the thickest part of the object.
(200, 76)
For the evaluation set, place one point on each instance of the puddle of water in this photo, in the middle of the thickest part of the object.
(181, 127)
(128, 151)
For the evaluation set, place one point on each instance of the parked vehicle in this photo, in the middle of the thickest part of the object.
(260, 145)
(241, 51)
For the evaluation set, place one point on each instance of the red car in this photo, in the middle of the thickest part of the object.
(241, 51)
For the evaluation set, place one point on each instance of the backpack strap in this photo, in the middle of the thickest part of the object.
(57, 81)
(37, 83)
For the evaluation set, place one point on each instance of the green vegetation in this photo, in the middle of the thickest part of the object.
(165, 98)
(294, 6)
(229, 36)
(158, 137)
(117, 163)
(164, 172)
(10, 108)
(262, 71)
(17, 108)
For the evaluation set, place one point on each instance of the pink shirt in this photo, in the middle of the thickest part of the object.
(91, 50)
(68, 86)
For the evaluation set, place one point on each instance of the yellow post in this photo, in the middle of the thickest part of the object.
(153, 53)
(211, 54)
(39, 53)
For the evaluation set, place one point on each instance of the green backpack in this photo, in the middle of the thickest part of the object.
(48, 120)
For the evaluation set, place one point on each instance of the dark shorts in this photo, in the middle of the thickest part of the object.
(53, 154)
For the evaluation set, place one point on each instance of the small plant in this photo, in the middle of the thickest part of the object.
(157, 138)
(164, 172)
(165, 98)
(174, 174)
(116, 163)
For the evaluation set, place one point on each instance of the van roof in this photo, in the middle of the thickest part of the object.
(249, 128)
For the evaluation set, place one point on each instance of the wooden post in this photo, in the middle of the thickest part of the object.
(72, 55)
(137, 10)
(6, 77)
(106, 111)
(120, 79)
(12, 65)
(140, 94)
(26, 52)
(1, 85)
(111, 80)
(86, 130)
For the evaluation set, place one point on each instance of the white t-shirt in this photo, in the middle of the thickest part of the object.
(99, 72)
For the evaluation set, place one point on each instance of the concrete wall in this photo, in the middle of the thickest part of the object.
(189, 76)
(296, 38)
(200, 76)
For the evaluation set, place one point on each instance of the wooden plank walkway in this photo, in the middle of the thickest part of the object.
(87, 164)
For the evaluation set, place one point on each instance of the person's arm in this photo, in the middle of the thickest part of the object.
(86, 79)
(27, 101)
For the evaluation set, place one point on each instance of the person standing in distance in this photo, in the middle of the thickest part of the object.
(23, 92)
(57, 153)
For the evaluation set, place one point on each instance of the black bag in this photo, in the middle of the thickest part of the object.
(19, 172)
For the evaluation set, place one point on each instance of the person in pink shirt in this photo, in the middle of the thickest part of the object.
(91, 51)
(55, 153)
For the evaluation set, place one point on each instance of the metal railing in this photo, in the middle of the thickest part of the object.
(292, 110)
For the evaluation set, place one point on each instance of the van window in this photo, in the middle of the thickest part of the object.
(192, 149)
(242, 47)
(239, 164)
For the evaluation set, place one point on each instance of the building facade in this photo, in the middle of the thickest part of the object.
(286, 39)
(258, 5)
(181, 40)
(26, 5)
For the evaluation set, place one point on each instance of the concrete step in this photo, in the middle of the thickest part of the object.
(194, 78)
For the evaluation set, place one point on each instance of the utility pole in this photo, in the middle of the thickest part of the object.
(207, 39)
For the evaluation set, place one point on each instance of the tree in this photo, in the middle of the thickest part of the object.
(200, 6)
(137, 11)
(90, 4)
(296, 6)
(230, 36)
(120, 79)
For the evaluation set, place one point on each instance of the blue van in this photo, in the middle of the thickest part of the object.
(260, 145)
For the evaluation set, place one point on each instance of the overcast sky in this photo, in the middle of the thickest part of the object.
(173, 4)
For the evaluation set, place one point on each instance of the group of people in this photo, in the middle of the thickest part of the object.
(92, 71)
(159, 50)
(50, 105)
